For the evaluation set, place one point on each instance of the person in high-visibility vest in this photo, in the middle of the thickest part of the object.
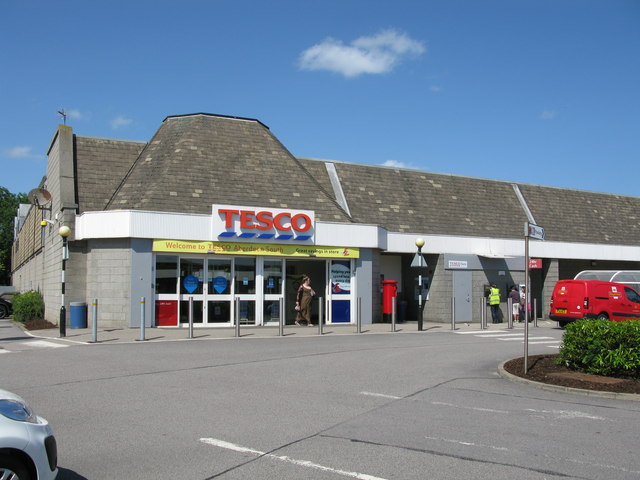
(494, 301)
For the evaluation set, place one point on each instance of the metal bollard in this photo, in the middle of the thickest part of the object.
(94, 321)
(394, 304)
(237, 317)
(358, 317)
(190, 317)
(483, 313)
(510, 312)
(142, 325)
(535, 312)
(280, 319)
(453, 313)
(320, 315)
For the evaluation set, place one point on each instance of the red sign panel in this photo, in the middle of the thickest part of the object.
(535, 263)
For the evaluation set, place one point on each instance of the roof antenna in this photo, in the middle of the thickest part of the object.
(64, 115)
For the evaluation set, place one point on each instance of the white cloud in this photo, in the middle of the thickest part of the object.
(373, 55)
(435, 89)
(75, 114)
(22, 152)
(394, 164)
(548, 115)
(120, 121)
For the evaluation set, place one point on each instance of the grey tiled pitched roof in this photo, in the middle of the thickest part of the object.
(580, 216)
(414, 201)
(100, 166)
(194, 161)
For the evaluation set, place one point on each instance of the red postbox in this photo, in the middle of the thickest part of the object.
(389, 292)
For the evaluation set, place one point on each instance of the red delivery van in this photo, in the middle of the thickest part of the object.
(574, 299)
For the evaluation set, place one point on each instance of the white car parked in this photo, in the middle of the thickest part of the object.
(28, 448)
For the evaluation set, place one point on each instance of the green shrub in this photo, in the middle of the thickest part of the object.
(602, 347)
(28, 306)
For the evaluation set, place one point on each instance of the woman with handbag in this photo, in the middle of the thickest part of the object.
(303, 302)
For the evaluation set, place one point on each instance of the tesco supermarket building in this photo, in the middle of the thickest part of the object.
(216, 209)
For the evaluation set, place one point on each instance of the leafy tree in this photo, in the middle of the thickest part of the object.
(8, 207)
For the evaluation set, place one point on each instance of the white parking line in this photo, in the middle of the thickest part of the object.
(547, 341)
(491, 335)
(381, 395)
(476, 332)
(283, 458)
(530, 338)
(43, 344)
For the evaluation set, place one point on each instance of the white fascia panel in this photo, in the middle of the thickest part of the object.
(181, 226)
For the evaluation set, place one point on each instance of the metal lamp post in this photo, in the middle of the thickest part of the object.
(420, 244)
(64, 232)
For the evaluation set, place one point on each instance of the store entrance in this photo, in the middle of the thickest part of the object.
(296, 269)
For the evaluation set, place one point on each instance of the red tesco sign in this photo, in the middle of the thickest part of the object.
(262, 223)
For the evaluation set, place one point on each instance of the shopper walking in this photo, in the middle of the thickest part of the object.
(303, 302)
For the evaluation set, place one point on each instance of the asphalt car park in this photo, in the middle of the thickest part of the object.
(406, 405)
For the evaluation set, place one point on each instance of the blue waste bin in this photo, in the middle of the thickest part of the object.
(78, 315)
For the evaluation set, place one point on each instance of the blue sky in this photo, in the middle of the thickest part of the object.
(544, 92)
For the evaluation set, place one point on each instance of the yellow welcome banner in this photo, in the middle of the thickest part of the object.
(231, 248)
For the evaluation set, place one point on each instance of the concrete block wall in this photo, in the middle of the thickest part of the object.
(438, 307)
(109, 280)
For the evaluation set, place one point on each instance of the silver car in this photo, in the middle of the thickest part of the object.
(28, 448)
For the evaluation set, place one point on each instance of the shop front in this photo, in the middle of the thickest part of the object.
(249, 283)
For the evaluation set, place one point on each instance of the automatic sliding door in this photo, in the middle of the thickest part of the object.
(219, 291)
(191, 285)
(245, 289)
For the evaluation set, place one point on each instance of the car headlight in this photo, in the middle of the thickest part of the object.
(18, 411)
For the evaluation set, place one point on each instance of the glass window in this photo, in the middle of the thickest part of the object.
(219, 274)
(340, 277)
(191, 270)
(245, 275)
(272, 277)
(632, 295)
(166, 274)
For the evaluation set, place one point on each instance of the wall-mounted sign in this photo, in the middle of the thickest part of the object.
(535, 263)
(458, 264)
(256, 223)
(231, 248)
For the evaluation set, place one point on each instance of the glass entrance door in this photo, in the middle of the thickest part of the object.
(245, 289)
(191, 286)
(219, 291)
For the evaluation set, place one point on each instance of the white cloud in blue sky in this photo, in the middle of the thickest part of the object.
(365, 55)
(120, 121)
(548, 115)
(22, 152)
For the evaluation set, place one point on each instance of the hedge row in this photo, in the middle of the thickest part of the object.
(27, 306)
(602, 347)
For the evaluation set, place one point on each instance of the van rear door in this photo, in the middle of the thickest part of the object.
(568, 300)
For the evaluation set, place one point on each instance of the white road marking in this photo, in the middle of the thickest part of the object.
(43, 344)
(530, 338)
(491, 335)
(2, 350)
(468, 444)
(546, 341)
(476, 332)
(571, 414)
(283, 458)
(477, 409)
(381, 395)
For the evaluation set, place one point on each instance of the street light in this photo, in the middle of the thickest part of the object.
(64, 232)
(420, 263)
